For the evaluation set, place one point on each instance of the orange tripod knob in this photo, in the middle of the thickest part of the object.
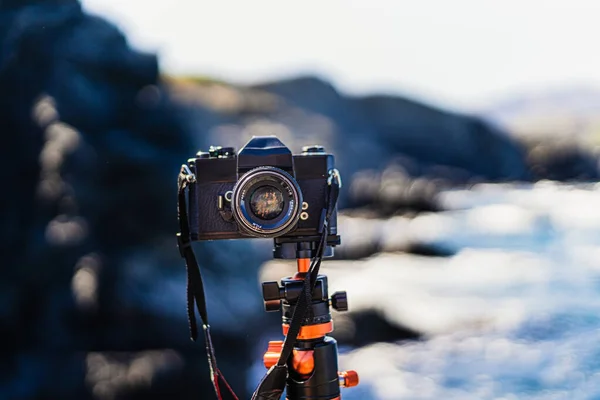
(273, 352)
(348, 378)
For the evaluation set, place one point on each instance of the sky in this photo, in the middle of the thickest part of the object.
(460, 54)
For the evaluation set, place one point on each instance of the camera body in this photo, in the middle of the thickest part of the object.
(262, 191)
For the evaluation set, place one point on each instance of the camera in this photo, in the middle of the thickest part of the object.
(263, 191)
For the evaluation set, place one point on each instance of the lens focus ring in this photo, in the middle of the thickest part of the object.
(266, 202)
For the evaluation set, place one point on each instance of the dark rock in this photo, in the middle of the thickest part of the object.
(436, 138)
(359, 329)
(563, 160)
(557, 127)
(92, 147)
(430, 250)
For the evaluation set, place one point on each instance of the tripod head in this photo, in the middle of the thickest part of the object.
(313, 367)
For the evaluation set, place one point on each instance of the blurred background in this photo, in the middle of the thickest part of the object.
(467, 134)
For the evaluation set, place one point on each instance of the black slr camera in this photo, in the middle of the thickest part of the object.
(263, 191)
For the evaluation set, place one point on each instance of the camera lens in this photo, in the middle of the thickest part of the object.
(266, 202)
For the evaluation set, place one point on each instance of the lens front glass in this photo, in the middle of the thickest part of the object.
(266, 202)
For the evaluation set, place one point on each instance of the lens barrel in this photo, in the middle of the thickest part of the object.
(266, 202)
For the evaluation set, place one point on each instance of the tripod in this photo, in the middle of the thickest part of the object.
(313, 368)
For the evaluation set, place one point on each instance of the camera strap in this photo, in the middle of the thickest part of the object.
(272, 385)
(195, 286)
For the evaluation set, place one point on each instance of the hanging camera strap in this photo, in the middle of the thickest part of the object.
(195, 286)
(272, 385)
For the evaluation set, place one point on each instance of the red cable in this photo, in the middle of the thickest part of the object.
(227, 384)
(216, 385)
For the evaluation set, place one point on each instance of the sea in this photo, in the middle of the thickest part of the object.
(513, 313)
(506, 300)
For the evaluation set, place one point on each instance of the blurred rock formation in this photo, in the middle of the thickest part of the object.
(90, 270)
(558, 127)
